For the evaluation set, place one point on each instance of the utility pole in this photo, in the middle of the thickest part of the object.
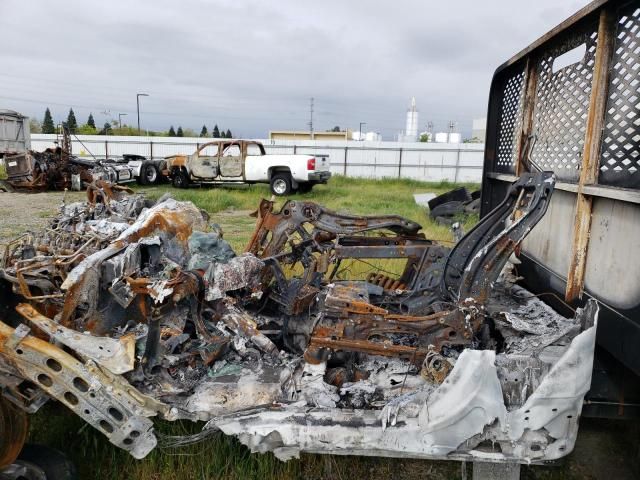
(360, 135)
(120, 115)
(311, 118)
(138, 95)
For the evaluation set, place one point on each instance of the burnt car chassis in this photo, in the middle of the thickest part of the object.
(125, 309)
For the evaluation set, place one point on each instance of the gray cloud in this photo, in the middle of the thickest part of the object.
(251, 66)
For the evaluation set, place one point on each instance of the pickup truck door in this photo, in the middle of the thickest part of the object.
(231, 160)
(204, 163)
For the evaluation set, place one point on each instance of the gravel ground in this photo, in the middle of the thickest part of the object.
(21, 212)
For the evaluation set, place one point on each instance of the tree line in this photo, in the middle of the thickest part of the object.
(114, 128)
(204, 132)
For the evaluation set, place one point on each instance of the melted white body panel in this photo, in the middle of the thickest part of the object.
(457, 420)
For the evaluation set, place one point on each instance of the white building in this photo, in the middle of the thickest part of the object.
(479, 128)
(366, 136)
(441, 137)
(447, 137)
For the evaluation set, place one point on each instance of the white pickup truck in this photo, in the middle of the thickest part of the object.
(245, 161)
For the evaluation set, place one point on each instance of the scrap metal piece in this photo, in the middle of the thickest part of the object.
(476, 261)
(352, 325)
(237, 273)
(120, 415)
(293, 215)
(116, 355)
(242, 324)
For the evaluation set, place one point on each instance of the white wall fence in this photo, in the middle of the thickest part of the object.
(421, 161)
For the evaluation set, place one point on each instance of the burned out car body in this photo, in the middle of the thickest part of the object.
(126, 309)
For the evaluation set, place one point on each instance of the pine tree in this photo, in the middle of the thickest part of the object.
(204, 132)
(216, 132)
(223, 134)
(180, 133)
(72, 123)
(90, 121)
(172, 132)
(106, 130)
(47, 123)
(229, 135)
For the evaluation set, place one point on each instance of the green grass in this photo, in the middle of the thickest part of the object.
(342, 194)
(3, 172)
(223, 457)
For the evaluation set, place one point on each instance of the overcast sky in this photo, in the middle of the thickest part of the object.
(251, 66)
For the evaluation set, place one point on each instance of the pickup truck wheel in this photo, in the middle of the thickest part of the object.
(180, 179)
(281, 184)
(149, 174)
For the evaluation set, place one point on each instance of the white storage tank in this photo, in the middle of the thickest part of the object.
(441, 137)
(455, 137)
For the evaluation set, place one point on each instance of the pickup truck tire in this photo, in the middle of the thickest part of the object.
(180, 179)
(281, 184)
(149, 174)
(305, 187)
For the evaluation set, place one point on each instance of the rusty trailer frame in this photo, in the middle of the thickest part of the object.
(581, 121)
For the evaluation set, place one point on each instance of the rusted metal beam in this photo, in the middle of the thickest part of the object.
(591, 155)
(531, 78)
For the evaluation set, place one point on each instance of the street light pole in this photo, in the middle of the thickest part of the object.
(138, 95)
(360, 136)
(120, 115)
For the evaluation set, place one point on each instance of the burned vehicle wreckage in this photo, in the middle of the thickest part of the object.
(125, 309)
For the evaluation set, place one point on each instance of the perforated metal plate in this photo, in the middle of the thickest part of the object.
(561, 105)
(620, 159)
(510, 123)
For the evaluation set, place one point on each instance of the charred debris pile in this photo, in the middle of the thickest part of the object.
(124, 309)
(57, 169)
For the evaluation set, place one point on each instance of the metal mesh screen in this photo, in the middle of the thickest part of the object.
(620, 151)
(561, 105)
(510, 123)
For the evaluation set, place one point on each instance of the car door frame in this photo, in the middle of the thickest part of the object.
(242, 146)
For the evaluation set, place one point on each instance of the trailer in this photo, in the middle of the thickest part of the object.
(14, 133)
(568, 103)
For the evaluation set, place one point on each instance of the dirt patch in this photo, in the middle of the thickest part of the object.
(22, 212)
